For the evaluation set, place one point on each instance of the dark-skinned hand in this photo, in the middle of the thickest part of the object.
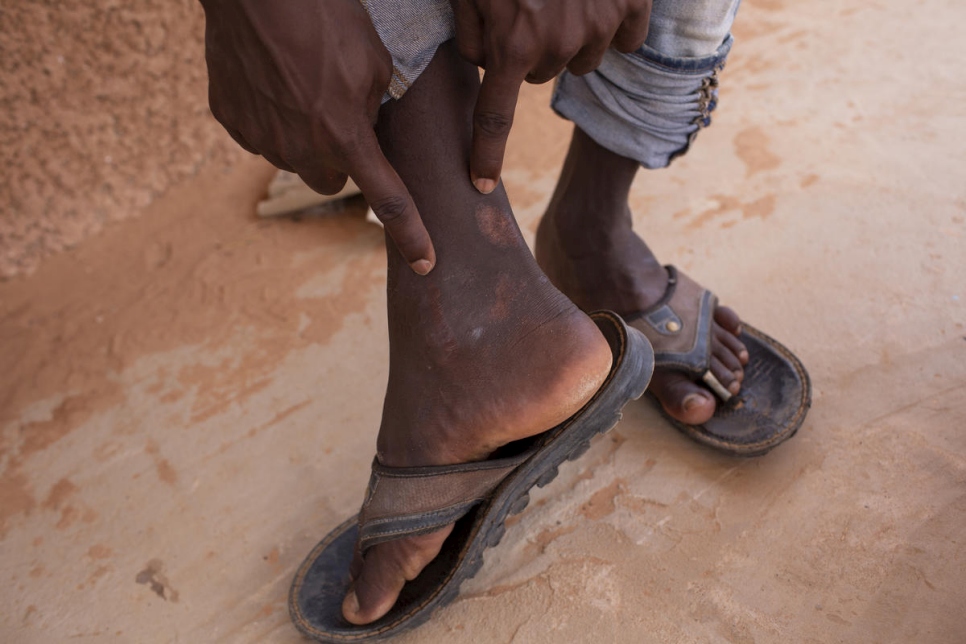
(300, 82)
(533, 41)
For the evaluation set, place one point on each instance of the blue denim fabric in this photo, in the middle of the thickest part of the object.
(648, 105)
(644, 106)
(411, 30)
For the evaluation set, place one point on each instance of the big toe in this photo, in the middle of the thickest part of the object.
(385, 569)
(682, 399)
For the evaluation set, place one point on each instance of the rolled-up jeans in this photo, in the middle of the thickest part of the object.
(647, 105)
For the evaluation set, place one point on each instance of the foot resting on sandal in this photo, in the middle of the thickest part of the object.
(587, 247)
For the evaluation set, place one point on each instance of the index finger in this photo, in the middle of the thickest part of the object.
(492, 120)
(391, 202)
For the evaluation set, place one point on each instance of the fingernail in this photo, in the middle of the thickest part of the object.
(486, 186)
(692, 401)
(734, 388)
(743, 356)
(351, 603)
(422, 266)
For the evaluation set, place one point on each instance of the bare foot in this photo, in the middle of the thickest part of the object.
(483, 350)
(586, 245)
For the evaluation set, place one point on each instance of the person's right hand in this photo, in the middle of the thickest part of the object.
(533, 41)
(300, 82)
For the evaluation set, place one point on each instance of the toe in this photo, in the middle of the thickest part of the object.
(384, 571)
(728, 319)
(681, 398)
(735, 346)
(724, 351)
(725, 376)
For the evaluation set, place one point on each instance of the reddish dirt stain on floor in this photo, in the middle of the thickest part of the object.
(603, 501)
(99, 573)
(166, 473)
(15, 497)
(278, 417)
(723, 205)
(751, 146)
(59, 493)
(761, 208)
(543, 539)
(31, 610)
(808, 180)
(99, 551)
(69, 414)
(769, 5)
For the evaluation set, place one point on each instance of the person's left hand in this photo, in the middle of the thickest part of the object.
(534, 40)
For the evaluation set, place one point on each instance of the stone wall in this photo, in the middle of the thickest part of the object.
(103, 107)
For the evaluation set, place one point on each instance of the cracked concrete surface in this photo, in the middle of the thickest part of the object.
(189, 398)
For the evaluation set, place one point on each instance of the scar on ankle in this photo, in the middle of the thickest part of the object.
(496, 225)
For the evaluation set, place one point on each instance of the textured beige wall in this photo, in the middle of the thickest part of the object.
(102, 108)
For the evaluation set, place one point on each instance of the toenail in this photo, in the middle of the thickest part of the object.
(692, 401)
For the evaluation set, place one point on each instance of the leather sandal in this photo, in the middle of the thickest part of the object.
(775, 393)
(477, 496)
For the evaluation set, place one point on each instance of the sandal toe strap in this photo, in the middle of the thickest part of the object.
(416, 500)
(679, 326)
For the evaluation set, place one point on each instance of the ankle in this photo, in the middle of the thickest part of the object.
(459, 393)
(580, 236)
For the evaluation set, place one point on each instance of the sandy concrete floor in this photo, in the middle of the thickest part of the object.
(189, 400)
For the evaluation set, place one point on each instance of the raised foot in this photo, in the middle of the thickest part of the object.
(471, 400)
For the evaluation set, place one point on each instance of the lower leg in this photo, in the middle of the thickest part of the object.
(587, 246)
(483, 350)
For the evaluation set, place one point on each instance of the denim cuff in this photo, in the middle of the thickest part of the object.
(644, 105)
(411, 30)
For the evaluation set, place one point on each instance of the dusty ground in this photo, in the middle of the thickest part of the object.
(189, 400)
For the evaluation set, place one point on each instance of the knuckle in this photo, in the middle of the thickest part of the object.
(345, 141)
(470, 51)
(390, 209)
(517, 53)
(493, 123)
(562, 51)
